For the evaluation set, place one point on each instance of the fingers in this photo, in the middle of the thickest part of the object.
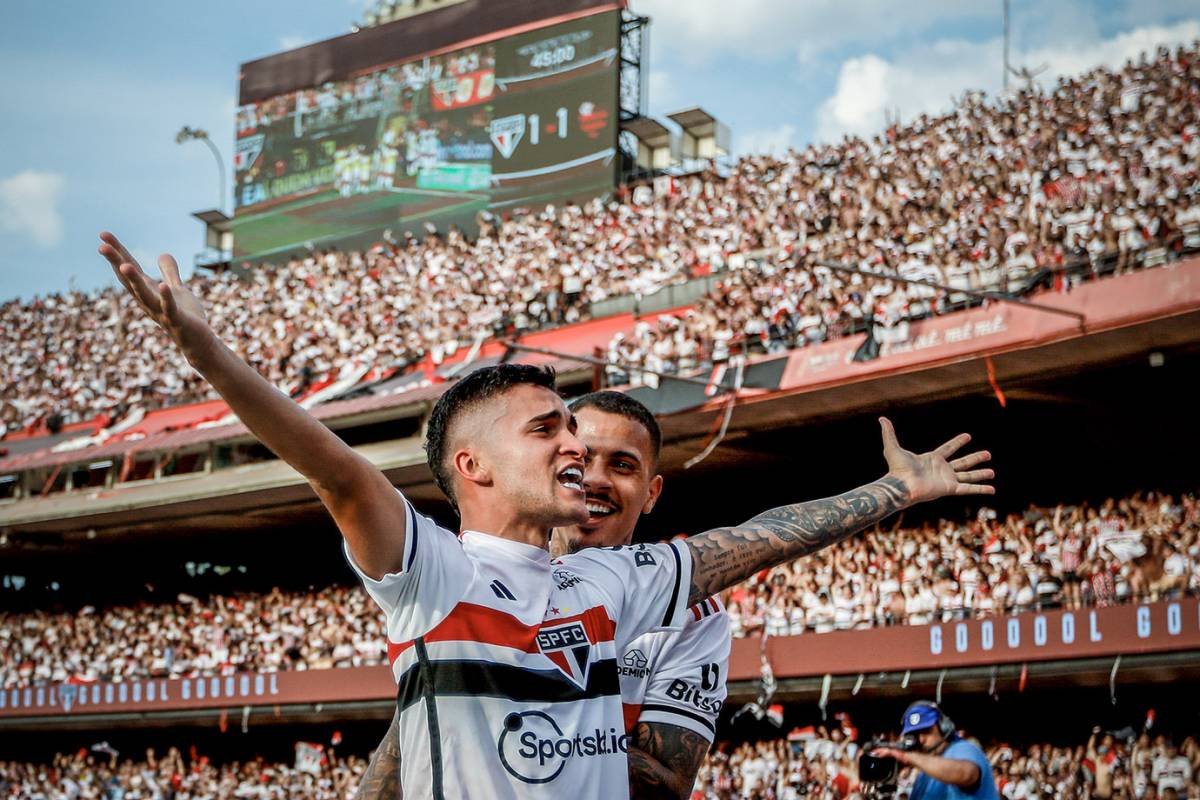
(122, 252)
(975, 476)
(169, 269)
(139, 285)
(111, 255)
(974, 488)
(966, 462)
(165, 297)
(889, 434)
(953, 446)
(114, 260)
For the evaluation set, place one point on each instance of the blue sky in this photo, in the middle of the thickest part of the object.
(95, 92)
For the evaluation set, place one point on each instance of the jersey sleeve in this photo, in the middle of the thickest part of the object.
(433, 576)
(687, 687)
(647, 585)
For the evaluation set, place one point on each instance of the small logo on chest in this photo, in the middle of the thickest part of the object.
(565, 579)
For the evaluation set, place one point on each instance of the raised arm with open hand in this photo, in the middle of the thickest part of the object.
(725, 556)
(368, 511)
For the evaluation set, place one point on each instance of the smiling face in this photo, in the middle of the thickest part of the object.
(518, 462)
(620, 479)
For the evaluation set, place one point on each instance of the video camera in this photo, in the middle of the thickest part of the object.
(881, 771)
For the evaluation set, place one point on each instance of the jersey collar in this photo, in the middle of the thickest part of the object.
(519, 550)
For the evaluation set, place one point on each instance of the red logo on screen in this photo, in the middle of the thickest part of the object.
(592, 119)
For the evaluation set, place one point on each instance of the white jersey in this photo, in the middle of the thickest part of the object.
(1171, 773)
(506, 661)
(678, 677)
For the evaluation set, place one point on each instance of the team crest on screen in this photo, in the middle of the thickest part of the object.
(506, 133)
(569, 647)
(247, 150)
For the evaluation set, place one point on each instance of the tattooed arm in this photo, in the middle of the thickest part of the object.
(725, 556)
(381, 781)
(664, 760)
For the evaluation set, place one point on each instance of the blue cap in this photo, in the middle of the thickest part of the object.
(921, 716)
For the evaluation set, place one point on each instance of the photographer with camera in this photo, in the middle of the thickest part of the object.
(951, 767)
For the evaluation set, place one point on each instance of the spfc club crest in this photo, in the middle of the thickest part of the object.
(506, 133)
(569, 648)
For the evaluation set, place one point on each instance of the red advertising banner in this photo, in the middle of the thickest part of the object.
(459, 91)
(1049, 636)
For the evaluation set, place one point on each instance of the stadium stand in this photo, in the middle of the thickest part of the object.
(101, 773)
(993, 195)
(1093, 178)
(810, 762)
(1141, 548)
(332, 627)
(820, 762)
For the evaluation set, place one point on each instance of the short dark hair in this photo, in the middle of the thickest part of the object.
(623, 405)
(477, 387)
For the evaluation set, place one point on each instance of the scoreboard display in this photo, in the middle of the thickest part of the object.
(523, 120)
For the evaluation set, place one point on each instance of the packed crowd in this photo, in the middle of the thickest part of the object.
(1143, 547)
(809, 764)
(100, 774)
(1140, 548)
(333, 627)
(987, 196)
(820, 764)
(1098, 175)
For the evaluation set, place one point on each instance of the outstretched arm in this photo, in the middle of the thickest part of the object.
(725, 556)
(381, 781)
(368, 511)
(664, 760)
(954, 771)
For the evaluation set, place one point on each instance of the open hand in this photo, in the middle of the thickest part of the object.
(168, 302)
(931, 475)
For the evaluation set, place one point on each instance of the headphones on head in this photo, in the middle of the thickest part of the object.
(944, 724)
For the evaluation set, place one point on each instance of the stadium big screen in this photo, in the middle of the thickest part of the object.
(330, 150)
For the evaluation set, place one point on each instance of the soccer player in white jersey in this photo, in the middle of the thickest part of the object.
(506, 664)
(672, 682)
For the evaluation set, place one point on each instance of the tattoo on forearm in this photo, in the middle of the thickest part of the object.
(725, 556)
(664, 760)
(381, 781)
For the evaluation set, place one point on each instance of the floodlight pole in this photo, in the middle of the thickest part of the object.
(1006, 45)
(187, 133)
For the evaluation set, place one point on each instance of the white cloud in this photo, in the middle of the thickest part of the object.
(1113, 52)
(700, 30)
(925, 80)
(766, 140)
(29, 205)
(858, 103)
